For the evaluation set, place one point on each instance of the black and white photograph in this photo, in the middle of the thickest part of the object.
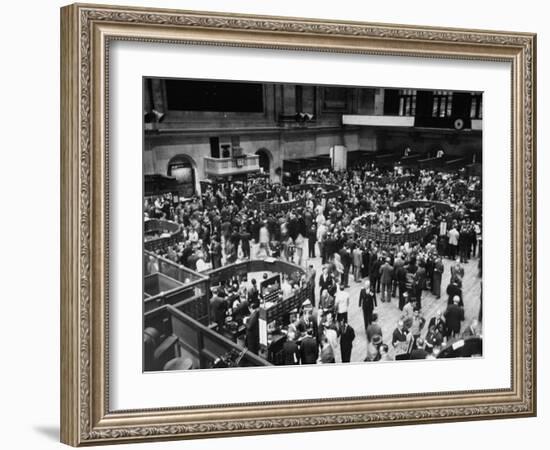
(300, 224)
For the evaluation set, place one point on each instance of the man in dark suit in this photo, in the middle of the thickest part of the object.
(367, 302)
(347, 335)
(253, 329)
(375, 274)
(453, 290)
(245, 242)
(365, 268)
(401, 279)
(307, 320)
(216, 254)
(400, 337)
(253, 293)
(291, 352)
(454, 317)
(421, 277)
(218, 306)
(309, 350)
(398, 263)
(346, 259)
(438, 270)
(373, 329)
(419, 352)
(386, 276)
(438, 323)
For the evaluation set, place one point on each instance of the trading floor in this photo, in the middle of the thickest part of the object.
(389, 313)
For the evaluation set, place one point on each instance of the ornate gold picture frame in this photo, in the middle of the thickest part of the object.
(86, 33)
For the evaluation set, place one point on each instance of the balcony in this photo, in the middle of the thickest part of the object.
(222, 167)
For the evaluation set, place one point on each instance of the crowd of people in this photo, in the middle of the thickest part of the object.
(225, 225)
(219, 226)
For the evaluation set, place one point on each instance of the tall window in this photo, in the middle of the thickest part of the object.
(476, 109)
(442, 104)
(407, 102)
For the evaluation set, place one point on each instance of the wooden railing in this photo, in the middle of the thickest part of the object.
(383, 180)
(271, 207)
(326, 190)
(168, 234)
(230, 166)
(187, 289)
(440, 206)
(386, 238)
(277, 310)
(205, 344)
(253, 265)
(261, 202)
(280, 307)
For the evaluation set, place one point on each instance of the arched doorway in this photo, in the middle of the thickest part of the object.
(182, 168)
(265, 159)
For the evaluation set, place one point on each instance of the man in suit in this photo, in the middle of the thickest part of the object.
(347, 335)
(291, 351)
(245, 242)
(367, 302)
(454, 317)
(419, 352)
(253, 293)
(373, 329)
(386, 276)
(345, 258)
(365, 266)
(401, 278)
(311, 239)
(453, 290)
(434, 339)
(438, 270)
(357, 257)
(398, 263)
(421, 277)
(308, 319)
(375, 274)
(218, 306)
(464, 243)
(253, 329)
(438, 323)
(309, 350)
(399, 337)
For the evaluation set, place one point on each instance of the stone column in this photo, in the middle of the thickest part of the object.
(379, 102)
(339, 156)
(158, 95)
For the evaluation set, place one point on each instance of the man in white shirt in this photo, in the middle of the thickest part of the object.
(320, 219)
(453, 235)
(264, 239)
(286, 289)
(341, 304)
(321, 235)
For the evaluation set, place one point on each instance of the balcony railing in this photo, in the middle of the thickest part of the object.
(232, 166)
